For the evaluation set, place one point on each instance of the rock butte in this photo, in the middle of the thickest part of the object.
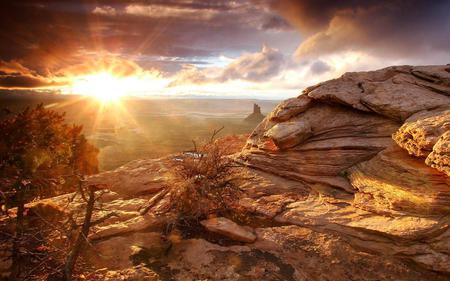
(351, 179)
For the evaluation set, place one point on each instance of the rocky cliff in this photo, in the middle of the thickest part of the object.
(381, 136)
(348, 181)
(373, 148)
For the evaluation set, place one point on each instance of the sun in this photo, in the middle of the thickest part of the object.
(103, 86)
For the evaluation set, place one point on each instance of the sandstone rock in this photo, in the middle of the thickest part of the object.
(137, 223)
(421, 131)
(439, 158)
(138, 273)
(334, 139)
(395, 181)
(316, 213)
(399, 100)
(287, 253)
(394, 200)
(289, 134)
(394, 92)
(290, 108)
(344, 91)
(438, 74)
(117, 252)
(138, 177)
(322, 255)
(229, 229)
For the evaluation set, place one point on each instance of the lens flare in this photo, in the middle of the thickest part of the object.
(103, 86)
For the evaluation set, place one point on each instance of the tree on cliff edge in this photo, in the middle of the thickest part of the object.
(40, 156)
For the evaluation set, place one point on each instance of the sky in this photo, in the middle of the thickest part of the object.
(264, 49)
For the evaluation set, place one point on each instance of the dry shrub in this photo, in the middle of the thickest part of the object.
(233, 143)
(204, 182)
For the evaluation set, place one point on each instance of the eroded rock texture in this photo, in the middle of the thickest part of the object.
(339, 124)
(374, 149)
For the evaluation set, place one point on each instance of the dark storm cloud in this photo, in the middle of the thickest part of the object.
(275, 22)
(382, 27)
(47, 35)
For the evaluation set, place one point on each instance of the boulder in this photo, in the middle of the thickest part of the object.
(439, 158)
(289, 134)
(290, 108)
(421, 131)
(139, 177)
(121, 252)
(229, 229)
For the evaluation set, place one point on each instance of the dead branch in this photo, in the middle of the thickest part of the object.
(82, 236)
(104, 218)
(160, 195)
(215, 134)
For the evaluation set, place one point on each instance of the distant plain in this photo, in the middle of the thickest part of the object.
(144, 128)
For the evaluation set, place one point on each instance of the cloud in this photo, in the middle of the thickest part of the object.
(319, 67)
(384, 28)
(162, 11)
(255, 67)
(191, 75)
(117, 65)
(13, 75)
(252, 67)
(105, 10)
(24, 81)
(50, 35)
(13, 68)
(275, 22)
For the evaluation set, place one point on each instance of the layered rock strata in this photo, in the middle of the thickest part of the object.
(355, 133)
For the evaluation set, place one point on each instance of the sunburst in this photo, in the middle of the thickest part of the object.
(104, 86)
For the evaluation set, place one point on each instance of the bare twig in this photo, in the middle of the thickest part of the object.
(82, 236)
(104, 218)
(215, 134)
(160, 195)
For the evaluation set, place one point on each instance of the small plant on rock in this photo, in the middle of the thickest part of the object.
(204, 182)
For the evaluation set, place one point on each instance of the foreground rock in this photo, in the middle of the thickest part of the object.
(139, 177)
(336, 125)
(381, 137)
(229, 229)
(438, 158)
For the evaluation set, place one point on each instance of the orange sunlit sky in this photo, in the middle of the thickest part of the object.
(266, 49)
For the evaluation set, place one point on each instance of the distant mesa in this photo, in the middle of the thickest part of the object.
(256, 116)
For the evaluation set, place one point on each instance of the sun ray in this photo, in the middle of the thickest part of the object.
(102, 85)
